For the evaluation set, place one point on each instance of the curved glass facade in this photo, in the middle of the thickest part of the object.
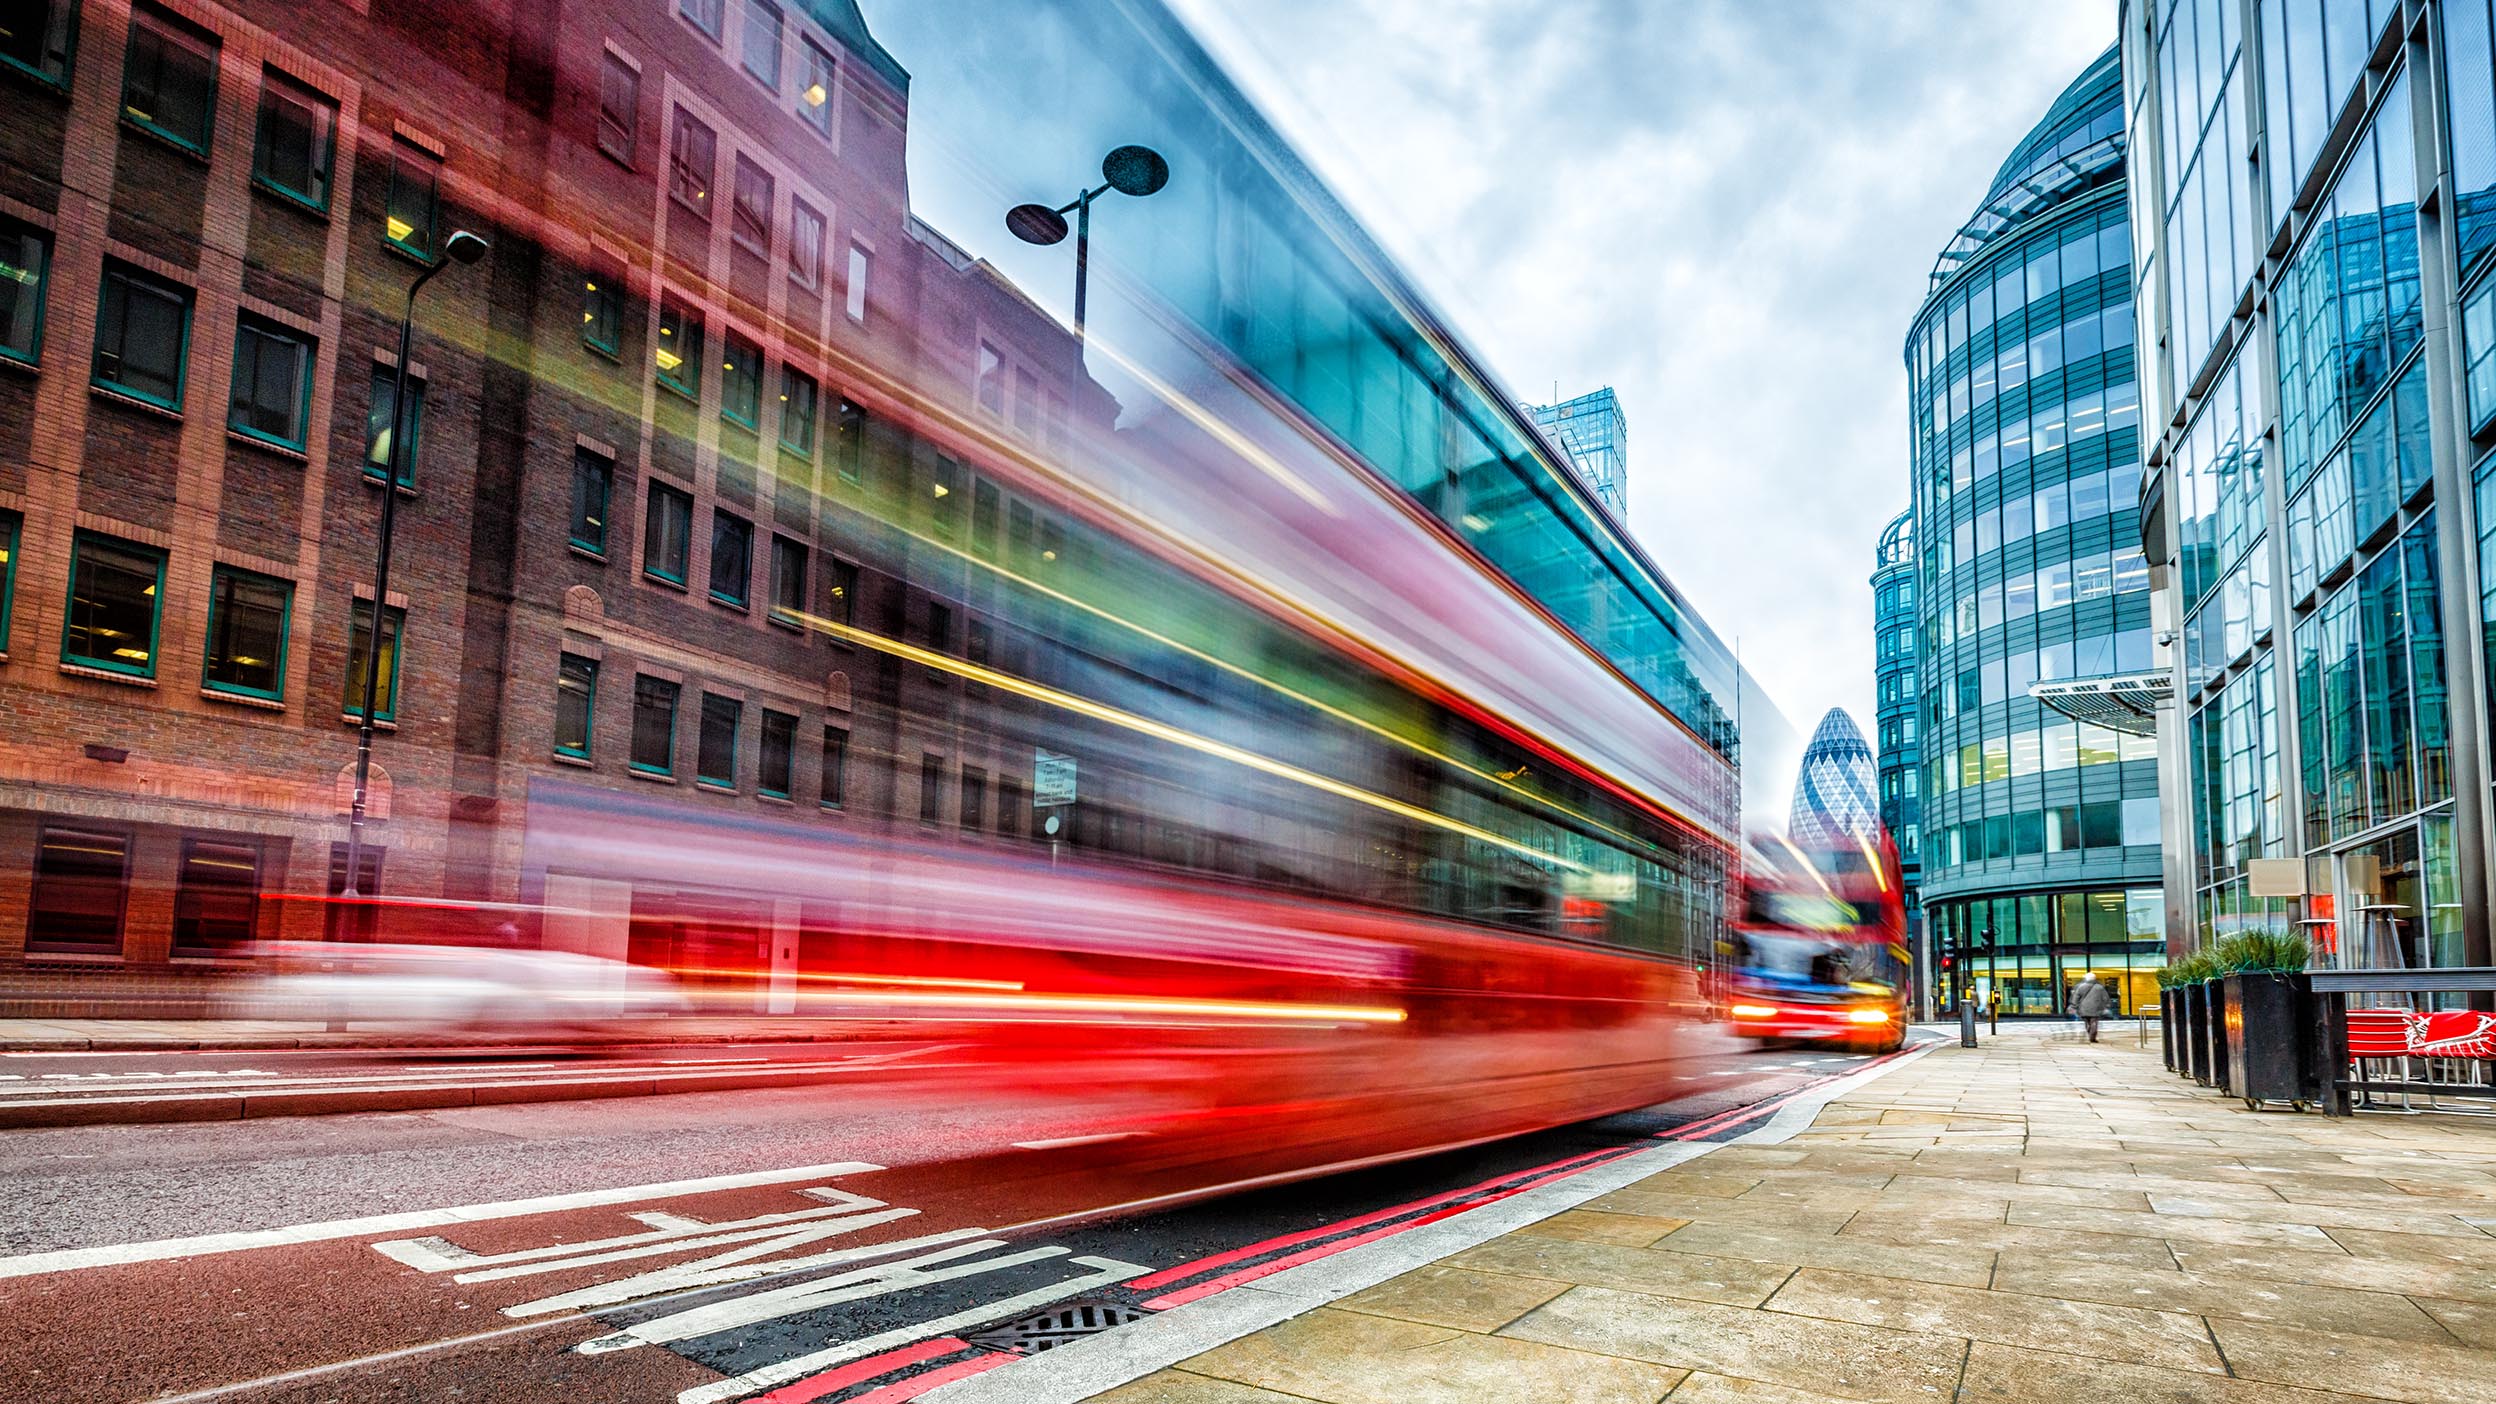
(2039, 835)
(1897, 713)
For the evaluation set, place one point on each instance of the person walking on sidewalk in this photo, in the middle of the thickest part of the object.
(2089, 1002)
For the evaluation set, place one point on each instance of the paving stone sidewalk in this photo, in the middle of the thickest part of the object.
(2038, 1219)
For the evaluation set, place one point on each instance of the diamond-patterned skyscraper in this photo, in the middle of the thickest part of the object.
(1836, 799)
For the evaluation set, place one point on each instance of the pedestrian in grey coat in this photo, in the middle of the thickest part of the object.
(2090, 1001)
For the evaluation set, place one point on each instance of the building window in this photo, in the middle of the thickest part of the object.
(115, 590)
(693, 162)
(414, 214)
(619, 109)
(576, 704)
(359, 644)
(805, 245)
(667, 533)
(835, 767)
(931, 788)
(1009, 806)
(82, 883)
(654, 725)
(858, 262)
(169, 83)
(990, 386)
(732, 558)
(939, 627)
(593, 482)
(9, 523)
(797, 412)
(679, 352)
(779, 754)
(247, 633)
(741, 389)
(974, 798)
(297, 140)
(272, 398)
(760, 43)
(379, 432)
(142, 336)
(602, 313)
(715, 759)
(705, 14)
(844, 592)
(39, 37)
(850, 444)
(788, 578)
(25, 273)
(749, 209)
(216, 897)
(814, 88)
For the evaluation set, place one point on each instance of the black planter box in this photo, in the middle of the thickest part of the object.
(2192, 1033)
(2166, 1027)
(2271, 1055)
(2214, 1031)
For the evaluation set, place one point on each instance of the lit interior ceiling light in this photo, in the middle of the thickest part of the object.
(815, 95)
(400, 229)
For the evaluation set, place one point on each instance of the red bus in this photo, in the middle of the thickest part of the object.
(1819, 948)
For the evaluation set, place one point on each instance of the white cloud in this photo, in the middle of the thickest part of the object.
(1727, 211)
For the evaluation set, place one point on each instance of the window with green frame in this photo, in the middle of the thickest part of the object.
(715, 757)
(25, 274)
(602, 312)
(272, 399)
(169, 80)
(116, 605)
(679, 352)
(412, 220)
(667, 533)
(576, 704)
(378, 431)
(41, 39)
(741, 389)
(779, 757)
(142, 336)
(797, 412)
(9, 525)
(732, 558)
(593, 484)
(247, 617)
(359, 641)
(296, 141)
(654, 725)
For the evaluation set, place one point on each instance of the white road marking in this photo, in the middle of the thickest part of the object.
(168, 1249)
(1063, 1142)
(1105, 1272)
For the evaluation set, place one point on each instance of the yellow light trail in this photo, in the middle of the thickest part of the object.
(1162, 731)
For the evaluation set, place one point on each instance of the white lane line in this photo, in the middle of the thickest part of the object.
(1063, 1142)
(1085, 1367)
(165, 1249)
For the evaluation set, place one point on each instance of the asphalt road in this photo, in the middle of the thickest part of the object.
(662, 1248)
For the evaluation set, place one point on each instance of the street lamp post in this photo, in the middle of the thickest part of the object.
(1129, 170)
(462, 248)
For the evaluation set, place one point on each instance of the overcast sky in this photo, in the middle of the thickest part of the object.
(1725, 210)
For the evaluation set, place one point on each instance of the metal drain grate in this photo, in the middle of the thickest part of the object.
(1046, 1330)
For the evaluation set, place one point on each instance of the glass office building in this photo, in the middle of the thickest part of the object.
(2319, 320)
(2040, 833)
(1594, 432)
(1897, 710)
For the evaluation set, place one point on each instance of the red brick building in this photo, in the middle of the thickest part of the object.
(712, 383)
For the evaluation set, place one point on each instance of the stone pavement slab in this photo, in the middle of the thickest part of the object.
(2039, 1219)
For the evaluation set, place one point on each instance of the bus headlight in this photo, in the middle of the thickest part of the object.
(1867, 1016)
(1754, 1011)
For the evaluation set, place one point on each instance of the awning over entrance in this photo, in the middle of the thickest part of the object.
(2125, 702)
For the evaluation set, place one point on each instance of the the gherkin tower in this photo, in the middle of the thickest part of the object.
(1835, 799)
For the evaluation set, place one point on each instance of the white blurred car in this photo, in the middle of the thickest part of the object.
(465, 987)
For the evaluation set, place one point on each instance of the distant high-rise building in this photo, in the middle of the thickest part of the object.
(1896, 710)
(1596, 435)
(1835, 803)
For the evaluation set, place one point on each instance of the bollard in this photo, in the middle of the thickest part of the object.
(1967, 1023)
(1993, 1016)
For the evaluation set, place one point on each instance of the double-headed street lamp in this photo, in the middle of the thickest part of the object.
(462, 248)
(1129, 170)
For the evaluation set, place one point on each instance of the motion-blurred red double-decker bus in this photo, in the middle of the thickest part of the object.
(1818, 943)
